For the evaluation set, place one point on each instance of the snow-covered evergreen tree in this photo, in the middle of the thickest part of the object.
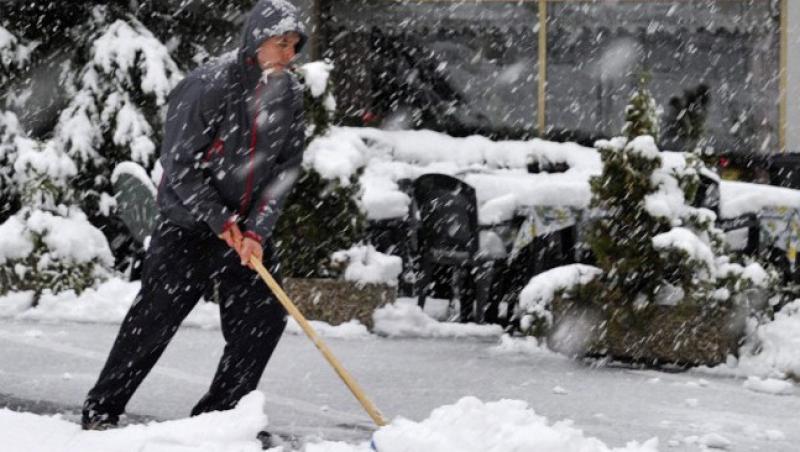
(642, 115)
(110, 66)
(651, 244)
(14, 54)
(49, 245)
(116, 100)
(9, 192)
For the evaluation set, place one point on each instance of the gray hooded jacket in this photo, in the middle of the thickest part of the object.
(233, 141)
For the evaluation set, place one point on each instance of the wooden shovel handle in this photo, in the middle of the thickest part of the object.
(290, 307)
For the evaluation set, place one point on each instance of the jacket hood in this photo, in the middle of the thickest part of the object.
(269, 18)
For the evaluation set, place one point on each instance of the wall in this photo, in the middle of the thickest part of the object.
(793, 67)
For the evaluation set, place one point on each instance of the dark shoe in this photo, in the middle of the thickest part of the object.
(93, 420)
(268, 440)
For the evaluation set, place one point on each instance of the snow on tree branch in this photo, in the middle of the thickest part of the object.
(125, 48)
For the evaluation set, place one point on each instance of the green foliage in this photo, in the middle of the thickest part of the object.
(42, 177)
(320, 218)
(61, 36)
(319, 109)
(622, 239)
(317, 115)
(40, 271)
(641, 114)
(637, 271)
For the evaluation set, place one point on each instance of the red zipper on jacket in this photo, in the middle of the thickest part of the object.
(253, 140)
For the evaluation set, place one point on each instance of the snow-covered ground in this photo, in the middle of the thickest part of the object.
(445, 387)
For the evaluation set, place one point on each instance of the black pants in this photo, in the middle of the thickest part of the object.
(179, 268)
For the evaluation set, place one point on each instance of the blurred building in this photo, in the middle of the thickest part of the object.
(490, 67)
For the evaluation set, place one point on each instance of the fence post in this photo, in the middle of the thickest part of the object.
(542, 94)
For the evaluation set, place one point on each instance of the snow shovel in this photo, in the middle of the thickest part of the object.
(348, 380)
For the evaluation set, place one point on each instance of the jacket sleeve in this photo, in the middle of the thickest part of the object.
(189, 131)
(261, 220)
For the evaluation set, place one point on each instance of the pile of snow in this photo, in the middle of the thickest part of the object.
(526, 345)
(210, 432)
(405, 318)
(110, 301)
(535, 298)
(769, 386)
(348, 330)
(776, 349)
(469, 425)
(365, 265)
(472, 425)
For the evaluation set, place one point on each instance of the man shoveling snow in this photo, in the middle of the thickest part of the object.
(232, 150)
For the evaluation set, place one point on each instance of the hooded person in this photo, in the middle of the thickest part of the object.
(232, 149)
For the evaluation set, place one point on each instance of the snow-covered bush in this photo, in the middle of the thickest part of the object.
(536, 298)
(322, 215)
(49, 244)
(61, 251)
(320, 104)
(651, 243)
(662, 270)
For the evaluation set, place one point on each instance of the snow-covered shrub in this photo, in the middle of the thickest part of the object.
(536, 298)
(60, 251)
(666, 290)
(651, 241)
(320, 104)
(322, 215)
(49, 244)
